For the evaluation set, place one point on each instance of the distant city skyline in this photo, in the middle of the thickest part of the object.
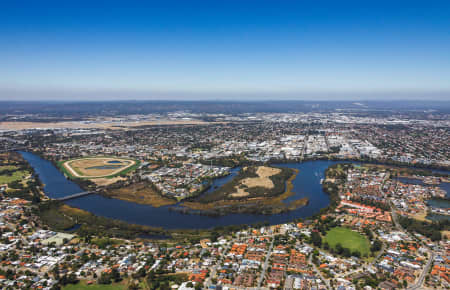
(227, 50)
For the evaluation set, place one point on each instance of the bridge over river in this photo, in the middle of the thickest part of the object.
(75, 195)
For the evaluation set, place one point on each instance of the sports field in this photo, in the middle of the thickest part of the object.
(348, 239)
(94, 167)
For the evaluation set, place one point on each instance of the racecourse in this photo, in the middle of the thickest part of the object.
(97, 167)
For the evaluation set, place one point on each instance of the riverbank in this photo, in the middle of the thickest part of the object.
(60, 217)
(141, 193)
(256, 205)
(64, 218)
(307, 184)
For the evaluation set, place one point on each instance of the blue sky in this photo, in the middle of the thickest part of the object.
(224, 49)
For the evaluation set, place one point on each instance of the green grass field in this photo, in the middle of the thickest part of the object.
(16, 175)
(348, 239)
(82, 286)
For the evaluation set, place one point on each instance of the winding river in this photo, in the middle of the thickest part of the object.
(306, 184)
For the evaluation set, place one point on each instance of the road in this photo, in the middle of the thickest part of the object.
(422, 276)
(383, 248)
(361, 269)
(266, 263)
(212, 274)
(395, 219)
(327, 283)
(419, 282)
(304, 144)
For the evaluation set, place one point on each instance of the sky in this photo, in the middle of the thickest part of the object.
(94, 50)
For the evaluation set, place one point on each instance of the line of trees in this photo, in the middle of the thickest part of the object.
(430, 230)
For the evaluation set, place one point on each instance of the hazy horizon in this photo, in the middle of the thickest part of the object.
(107, 95)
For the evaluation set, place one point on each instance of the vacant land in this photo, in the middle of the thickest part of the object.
(11, 173)
(262, 180)
(348, 239)
(94, 167)
(107, 181)
(140, 193)
(421, 216)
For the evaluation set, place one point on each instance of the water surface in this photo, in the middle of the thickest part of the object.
(306, 184)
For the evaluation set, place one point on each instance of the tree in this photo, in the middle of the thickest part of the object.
(346, 252)
(133, 286)
(316, 239)
(115, 275)
(356, 253)
(376, 246)
(104, 279)
(339, 248)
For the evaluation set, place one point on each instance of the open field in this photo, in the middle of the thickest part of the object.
(421, 216)
(13, 176)
(95, 167)
(107, 181)
(262, 180)
(348, 239)
(140, 193)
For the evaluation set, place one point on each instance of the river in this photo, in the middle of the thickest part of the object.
(306, 184)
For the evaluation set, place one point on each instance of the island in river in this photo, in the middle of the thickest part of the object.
(251, 189)
(256, 189)
(305, 185)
